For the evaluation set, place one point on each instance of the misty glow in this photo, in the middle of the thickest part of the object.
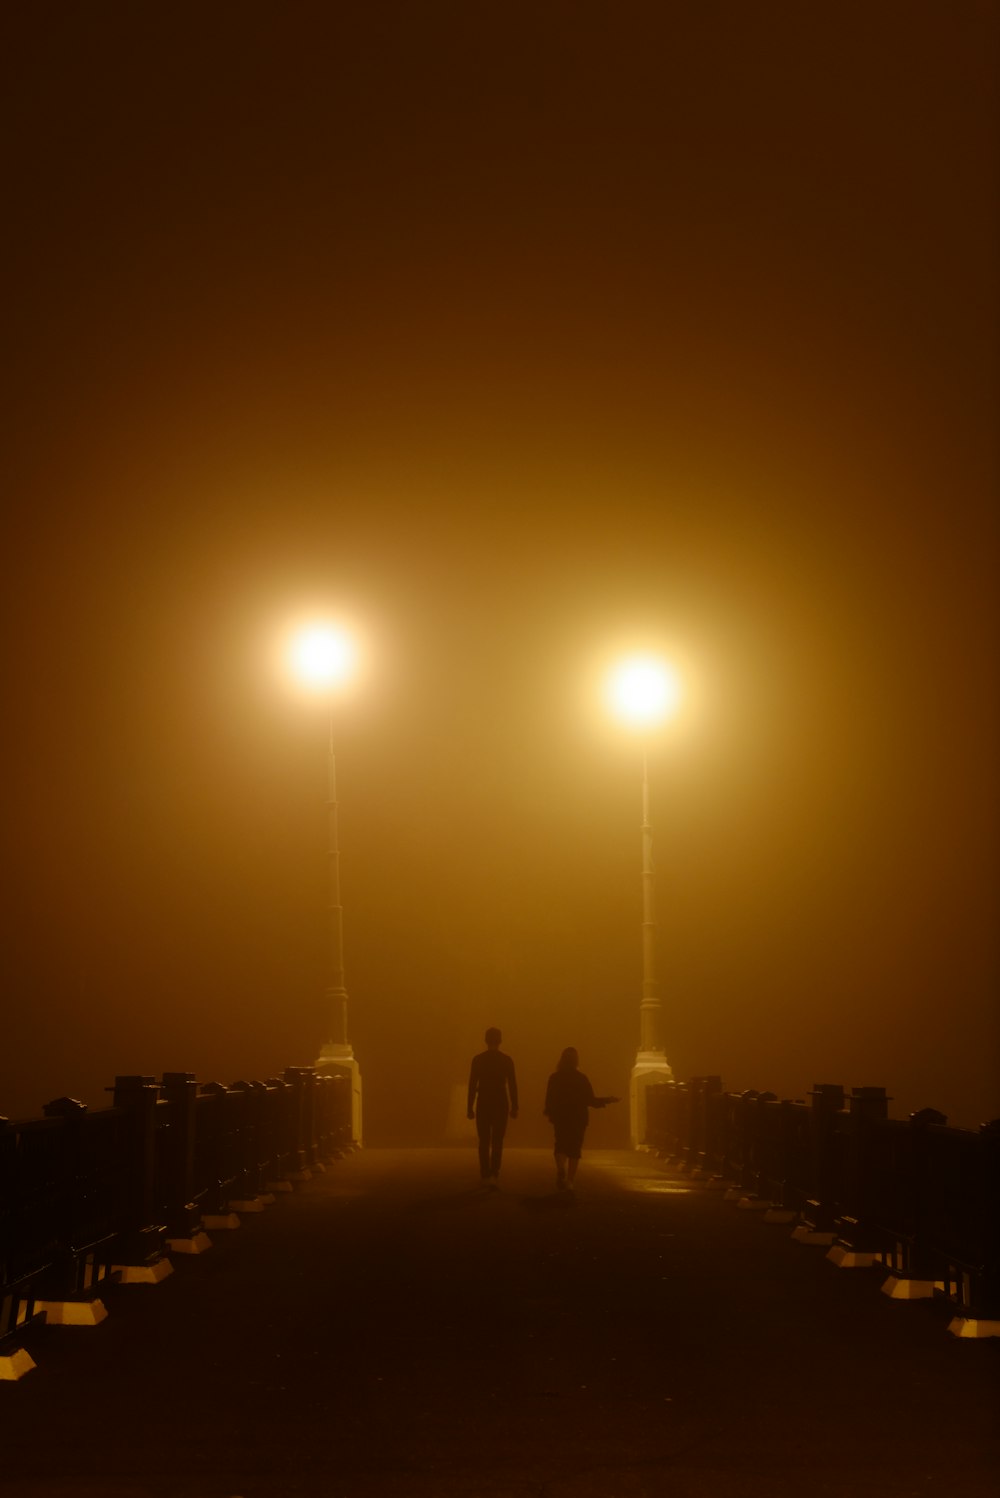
(643, 691)
(322, 656)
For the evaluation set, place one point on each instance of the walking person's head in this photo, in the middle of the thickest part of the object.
(569, 1060)
(493, 1038)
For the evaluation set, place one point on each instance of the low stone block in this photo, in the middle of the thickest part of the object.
(72, 1312)
(14, 1365)
(144, 1274)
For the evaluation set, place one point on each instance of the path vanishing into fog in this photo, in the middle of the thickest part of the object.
(391, 1330)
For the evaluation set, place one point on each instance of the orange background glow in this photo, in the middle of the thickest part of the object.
(516, 334)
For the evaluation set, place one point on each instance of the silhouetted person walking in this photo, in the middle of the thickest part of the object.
(568, 1098)
(492, 1099)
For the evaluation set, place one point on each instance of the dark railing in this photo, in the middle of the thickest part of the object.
(87, 1198)
(917, 1197)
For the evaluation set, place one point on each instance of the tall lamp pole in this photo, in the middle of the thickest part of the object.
(335, 1042)
(323, 658)
(643, 693)
(650, 1028)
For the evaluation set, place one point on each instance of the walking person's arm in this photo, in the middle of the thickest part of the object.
(473, 1088)
(597, 1102)
(512, 1088)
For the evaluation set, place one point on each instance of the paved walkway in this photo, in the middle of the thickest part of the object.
(390, 1331)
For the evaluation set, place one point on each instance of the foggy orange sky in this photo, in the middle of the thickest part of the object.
(514, 331)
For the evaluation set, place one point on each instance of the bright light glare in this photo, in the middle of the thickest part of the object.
(644, 691)
(322, 656)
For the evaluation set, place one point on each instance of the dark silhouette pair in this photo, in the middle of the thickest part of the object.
(493, 1100)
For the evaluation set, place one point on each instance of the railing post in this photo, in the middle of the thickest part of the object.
(212, 1149)
(779, 1162)
(69, 1293)
(332, 1139)
(977, 1289)
(177, 1146)
(61, 1281)
(302, 1160)
(680, 1096)
(697, 1154)
(139, 1253)
(754, 1196)
(343, 1104)
(857, 1241)
(715, 1136)
(26, 1246)
(826, 1189)
(656, 1116)
(910, 1257)
(796, 1180)
(249, 1193)
(283, 1161)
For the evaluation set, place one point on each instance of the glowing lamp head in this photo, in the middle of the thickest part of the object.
(322, 657)
(644, 691)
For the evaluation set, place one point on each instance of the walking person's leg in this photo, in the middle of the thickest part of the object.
(572, 1145)
(496, 1145)
(560, 1154)
(483, 1131)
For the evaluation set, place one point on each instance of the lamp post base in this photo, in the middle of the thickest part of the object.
(651, 1067)
(339, 1060)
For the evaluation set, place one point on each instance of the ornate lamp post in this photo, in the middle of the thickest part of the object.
(323, 658)
(644, 692)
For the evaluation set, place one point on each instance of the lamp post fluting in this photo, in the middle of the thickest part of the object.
(323, 658)
(336, 1054)
(651, 1065)
(644, 691)
(335, 1041)
(650, 1037)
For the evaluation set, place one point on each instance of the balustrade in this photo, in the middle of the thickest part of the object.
(913, 1197)
(91, 1197)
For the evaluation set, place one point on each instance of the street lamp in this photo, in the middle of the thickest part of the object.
(323, 659)
(643, 692)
